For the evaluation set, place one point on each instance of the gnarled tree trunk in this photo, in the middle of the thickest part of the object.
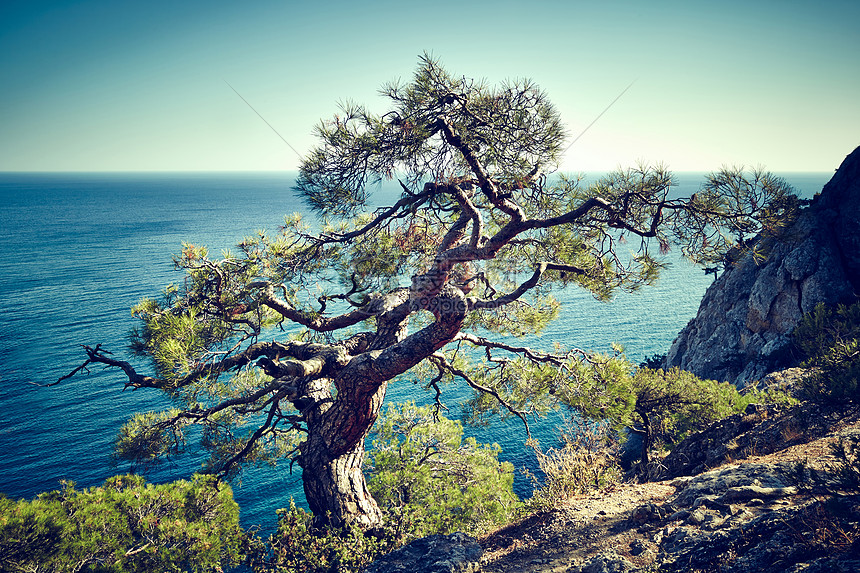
(335, 487)
(338, 424)
(333, 454)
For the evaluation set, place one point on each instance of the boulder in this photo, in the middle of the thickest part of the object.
(455, 553)
(604, 562)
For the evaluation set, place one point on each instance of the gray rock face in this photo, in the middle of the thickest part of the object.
(607, 562)
(737, 482)
(748, 518)
(741, 331)
(455, 553)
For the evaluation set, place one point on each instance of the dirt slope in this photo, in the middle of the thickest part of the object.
(755, 511)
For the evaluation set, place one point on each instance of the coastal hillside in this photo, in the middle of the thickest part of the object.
(781, 496)
(750, 513)
(775, 488)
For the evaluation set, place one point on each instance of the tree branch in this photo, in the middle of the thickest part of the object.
(258, 433)
(313, 320)
(98, 355)
(411, 200)
(468, 208)
(531, 355)
(475, 304)
(487, 186)
(442, 362)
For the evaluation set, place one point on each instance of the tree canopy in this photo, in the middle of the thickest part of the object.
(285, 347)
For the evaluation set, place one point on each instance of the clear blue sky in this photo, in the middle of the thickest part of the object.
(123, 85)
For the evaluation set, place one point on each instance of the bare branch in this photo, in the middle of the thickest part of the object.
(443, 363)
(411, 201)
(100, 356)
(258, 433)
(542, 357)
(468, 209)
(532, 282)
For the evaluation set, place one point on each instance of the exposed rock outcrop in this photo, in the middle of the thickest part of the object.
(749, 518)
(741, 331)
(455, 553)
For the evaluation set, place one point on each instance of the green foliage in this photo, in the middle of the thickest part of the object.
(427, 479)
(146, 437)
(122, 526)
(763, 206)
(586, 461)
(516, 386)
(829, 339)
(680, 403)
(781, 396)
(662, 406)
(654, 361)
(298, 547)
(510, 128)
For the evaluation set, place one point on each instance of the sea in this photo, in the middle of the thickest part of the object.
(78, 250)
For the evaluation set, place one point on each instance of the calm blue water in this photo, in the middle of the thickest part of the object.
(78, 250)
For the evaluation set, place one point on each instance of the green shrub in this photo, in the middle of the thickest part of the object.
(428, 479)
(298, 547)
(828, 339)
(122, 526)
(661, 406)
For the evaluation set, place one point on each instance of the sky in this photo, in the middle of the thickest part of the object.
(120, 85)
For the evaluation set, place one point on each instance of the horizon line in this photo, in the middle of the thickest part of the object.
(286, 171)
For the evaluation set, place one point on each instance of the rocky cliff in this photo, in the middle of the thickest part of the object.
(741, 330)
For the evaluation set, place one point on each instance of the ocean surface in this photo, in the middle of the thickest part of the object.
(78, 250)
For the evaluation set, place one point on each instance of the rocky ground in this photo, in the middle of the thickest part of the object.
(753, 508)
(757, 492)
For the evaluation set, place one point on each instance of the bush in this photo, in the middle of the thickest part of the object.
(297, 547)
(661, 406)
(828, 338)
(122, 526)
(428, 479)
(586, 461)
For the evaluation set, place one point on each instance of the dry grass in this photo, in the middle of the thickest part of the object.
(586, 461)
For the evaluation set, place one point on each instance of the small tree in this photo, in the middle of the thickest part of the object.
(123, 526)
(662, 407)
(427, 479)
(466, 256)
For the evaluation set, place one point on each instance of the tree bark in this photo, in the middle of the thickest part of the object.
(335, 487)
(647, 437)
(333, 454)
